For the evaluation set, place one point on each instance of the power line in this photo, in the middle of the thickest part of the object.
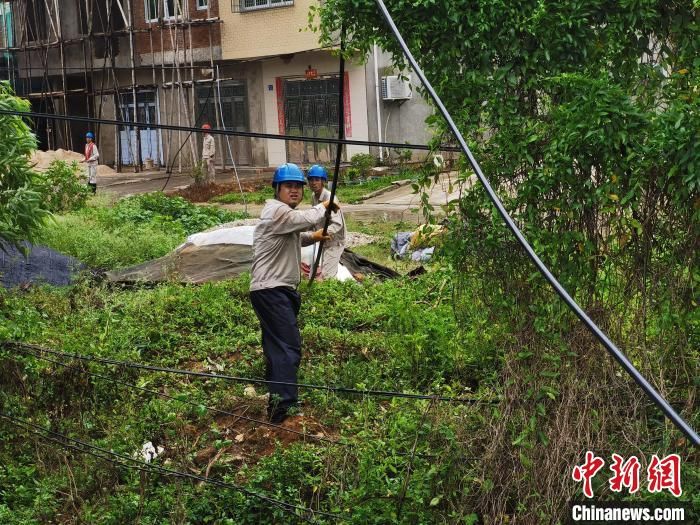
(66, 441)
(252, 134)
(191, 403)
(239, 379)
(612, 349)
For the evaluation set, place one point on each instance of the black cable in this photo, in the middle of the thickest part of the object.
(252, 134)
(191, 403)
(127, 364)
(166, 396)
(615, 352)
(64, 440)
(339, 154)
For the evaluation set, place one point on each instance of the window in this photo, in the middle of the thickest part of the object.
(251, 5)
(202, 5)
(165, 9)
(6, 39)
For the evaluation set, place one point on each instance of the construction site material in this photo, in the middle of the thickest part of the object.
(225, 252)
(41, 160)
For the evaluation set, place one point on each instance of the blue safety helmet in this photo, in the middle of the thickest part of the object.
(288, 173)
(318, 172)
(90, 135)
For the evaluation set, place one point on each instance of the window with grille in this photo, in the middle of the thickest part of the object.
(202, 4)
(242, 6)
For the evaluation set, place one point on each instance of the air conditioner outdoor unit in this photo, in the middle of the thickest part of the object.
(396, 88)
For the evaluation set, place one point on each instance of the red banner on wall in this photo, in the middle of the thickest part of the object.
(346, 106)
(280, 106)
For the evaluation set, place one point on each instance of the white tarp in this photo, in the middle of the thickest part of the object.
(214, 255)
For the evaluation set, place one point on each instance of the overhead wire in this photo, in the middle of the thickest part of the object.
(238, 379)
(89, 448)
(612, 349)
(190, 403)
(233, 133)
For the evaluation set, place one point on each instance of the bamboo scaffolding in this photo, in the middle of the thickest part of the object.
(41, 63)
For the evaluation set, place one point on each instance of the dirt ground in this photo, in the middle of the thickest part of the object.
(398, 205)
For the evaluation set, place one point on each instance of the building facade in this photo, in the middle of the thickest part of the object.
(243, 65)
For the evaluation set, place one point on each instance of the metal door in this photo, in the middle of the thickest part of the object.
(311, 109)
(232, 97)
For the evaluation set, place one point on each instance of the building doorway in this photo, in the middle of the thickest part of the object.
(232, 97)
(311, 110)
(146, 112)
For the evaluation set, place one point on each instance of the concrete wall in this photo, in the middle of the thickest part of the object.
(325, 64)
(400, 121)
(266, 32)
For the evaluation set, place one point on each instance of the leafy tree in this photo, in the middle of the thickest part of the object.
(585, 117)
(21, 207)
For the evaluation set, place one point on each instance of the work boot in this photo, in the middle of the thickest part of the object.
(277, 415)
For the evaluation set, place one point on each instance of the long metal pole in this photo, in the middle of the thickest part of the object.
(561, 291)
(338, 155)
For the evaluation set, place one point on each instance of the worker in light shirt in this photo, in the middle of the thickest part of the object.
(208, 154)
(92, 157)
(276, 273)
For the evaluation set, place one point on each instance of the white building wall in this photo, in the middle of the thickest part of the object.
(325, 64)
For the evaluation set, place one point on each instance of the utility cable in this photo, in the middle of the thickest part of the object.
(237, 379)
(191, 403)
(65, 440)
(234, 133)
(615, 352)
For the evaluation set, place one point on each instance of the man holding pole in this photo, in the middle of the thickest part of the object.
(277, 242)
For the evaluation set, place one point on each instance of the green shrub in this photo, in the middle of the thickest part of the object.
(63, 187)
(21, 207)
(159, 208)
(360, 166)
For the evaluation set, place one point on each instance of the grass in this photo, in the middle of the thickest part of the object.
(398, 335)
(368, 335)
(347, 193)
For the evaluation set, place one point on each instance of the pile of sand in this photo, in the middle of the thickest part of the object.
(43, 159)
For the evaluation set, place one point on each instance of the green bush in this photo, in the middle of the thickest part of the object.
(63, 187)
(360, 166)
(21, 207)
(159, 208)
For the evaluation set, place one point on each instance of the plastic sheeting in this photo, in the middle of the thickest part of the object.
(42, 265)
(214, 255)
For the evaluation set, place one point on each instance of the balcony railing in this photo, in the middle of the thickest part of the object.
(245, 6)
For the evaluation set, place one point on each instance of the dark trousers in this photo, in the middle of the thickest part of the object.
(277, 310)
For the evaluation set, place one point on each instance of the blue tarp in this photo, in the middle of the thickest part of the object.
(42, 265)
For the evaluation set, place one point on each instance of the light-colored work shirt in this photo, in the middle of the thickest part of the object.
(336, 226)
(277, 242)
(92, 155)
(208, 147)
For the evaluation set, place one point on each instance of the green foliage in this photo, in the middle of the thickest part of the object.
(347, 193)
(360, 166)
(161, 209)
(64, 187)
(251, 197)
(584, 118)
(21, 207)
(134, 230)
(199, 172)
